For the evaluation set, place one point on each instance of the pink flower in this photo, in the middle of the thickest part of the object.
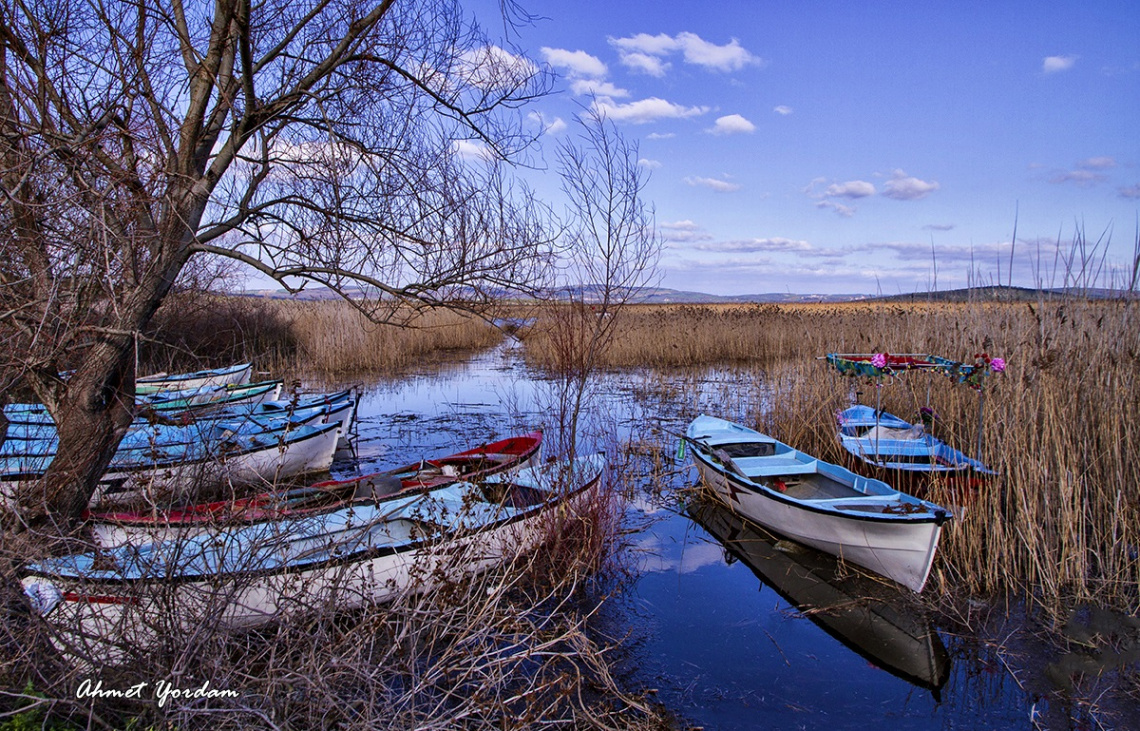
(879, 360)
(997, 365)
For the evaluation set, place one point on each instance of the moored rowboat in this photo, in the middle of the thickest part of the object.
(112, 528)
(817, 503)
(132, 596)
(234, 374)
(178, 471)
(883, 440)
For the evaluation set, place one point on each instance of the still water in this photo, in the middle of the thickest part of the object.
(711, 617)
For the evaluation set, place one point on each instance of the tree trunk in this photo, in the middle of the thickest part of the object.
(92, 418)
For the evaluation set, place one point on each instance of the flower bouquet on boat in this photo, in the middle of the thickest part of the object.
(109, 603)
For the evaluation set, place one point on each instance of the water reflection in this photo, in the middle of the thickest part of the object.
(719, 653)
(869, 616)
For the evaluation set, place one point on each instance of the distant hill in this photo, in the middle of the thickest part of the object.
(1008, 294)
(662, 295)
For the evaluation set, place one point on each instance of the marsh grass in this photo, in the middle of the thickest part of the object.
(301, 338)
(1061, 525)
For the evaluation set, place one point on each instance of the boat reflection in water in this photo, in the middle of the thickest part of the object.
(869, 616)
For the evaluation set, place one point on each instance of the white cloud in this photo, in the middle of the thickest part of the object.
(646, 53)
(576, 63)
(660, 135)
(732, 124)
(1097, 163)
(842, 210)
(682, 232)
(720, 186)
(469, 150)
(548, 127)
(491, 67)
(782, 110)
(645, 63)
(851, 189)
(649, 164)
(902, 187)
(658, 45)
(1130, 192)
(1080, 177)
(597, 87)
(779, 245)
(645, 110)
(729, 57)
(1053, 64)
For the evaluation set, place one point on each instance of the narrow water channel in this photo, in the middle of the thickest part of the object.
(711, 620)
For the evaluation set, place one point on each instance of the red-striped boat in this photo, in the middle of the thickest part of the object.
(511, 454)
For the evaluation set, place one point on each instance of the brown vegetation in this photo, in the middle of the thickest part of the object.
(1062, 522)
(300, 338)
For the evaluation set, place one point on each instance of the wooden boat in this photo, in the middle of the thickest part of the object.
(112, 528)
(107, 602)
(869, 616)
(825, 506)
(209, 377)
(172, 404)
(162, 473)
(35, 442)
(893, 448)
(885, 441)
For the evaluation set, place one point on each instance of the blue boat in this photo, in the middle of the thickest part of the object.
(883, 440)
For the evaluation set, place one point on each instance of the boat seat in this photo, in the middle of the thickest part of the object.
(775, 466)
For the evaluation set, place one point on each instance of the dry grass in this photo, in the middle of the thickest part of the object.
(330, 338)
(1062, 523)
(291, 339)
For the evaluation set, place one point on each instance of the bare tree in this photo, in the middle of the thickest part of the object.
(316, 141)
(610, 252)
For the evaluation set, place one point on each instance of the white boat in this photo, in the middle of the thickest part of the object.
(115, 527)
(236, 374)
(371, 551)
(160, 473)
(822, 505)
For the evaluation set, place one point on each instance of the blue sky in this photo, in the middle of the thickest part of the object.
(826, 147)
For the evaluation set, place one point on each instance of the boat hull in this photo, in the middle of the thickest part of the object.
(103, 620)
(902, 552)
(234, 375)
(279, 459)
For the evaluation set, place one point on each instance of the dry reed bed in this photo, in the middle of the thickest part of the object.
(331, 338)
(1062, 523)
(300, 338)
